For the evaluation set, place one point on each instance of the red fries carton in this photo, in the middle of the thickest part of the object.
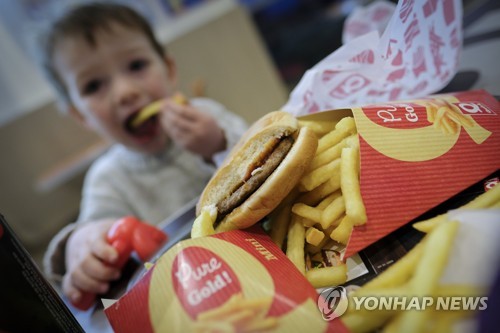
(237, 281)
(416, 154)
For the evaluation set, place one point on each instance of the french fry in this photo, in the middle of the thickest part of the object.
(425, 280)
(328, 200)
(332, 212)
(345, 127)
(393, 325)
(327, 276)
(398, 273)
(320, 175)
(343, 231)
(280, 220)
(488, 199)
(319, 212)
(306, 222)
(349, 184)
(365, 322)
(314, 236)
(295, 244)
(313, 197)
(203, 225)
(308, 212)
(328, 155)
(318, 127)
(327, 242)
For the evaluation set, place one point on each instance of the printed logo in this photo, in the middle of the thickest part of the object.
(350, 85)
(332, 303)
(474, 108)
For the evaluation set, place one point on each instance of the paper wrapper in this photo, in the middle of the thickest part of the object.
(201, 275)
(417, 55)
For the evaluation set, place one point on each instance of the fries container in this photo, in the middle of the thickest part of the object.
(416, 154)
(202, 275)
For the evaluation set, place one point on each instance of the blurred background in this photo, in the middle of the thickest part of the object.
(247, 54)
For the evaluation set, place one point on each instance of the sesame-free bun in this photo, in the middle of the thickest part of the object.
(246, 158)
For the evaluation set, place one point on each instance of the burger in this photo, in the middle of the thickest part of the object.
(263, 167)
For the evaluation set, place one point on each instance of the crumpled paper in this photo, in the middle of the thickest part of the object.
(417, 55)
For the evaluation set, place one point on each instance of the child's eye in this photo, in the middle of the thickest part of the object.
(91, 87)
(137, 65)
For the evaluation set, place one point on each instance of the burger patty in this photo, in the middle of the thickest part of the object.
(257, 178)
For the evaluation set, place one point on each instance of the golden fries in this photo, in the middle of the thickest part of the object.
(489, 199)
(424, 281)
(417, 275)
(344, 128)
(320, 218)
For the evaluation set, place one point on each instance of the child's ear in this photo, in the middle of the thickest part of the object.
(172, 69)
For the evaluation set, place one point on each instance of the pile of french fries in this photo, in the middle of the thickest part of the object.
(326, 205)
(238, 314)
(418, 274)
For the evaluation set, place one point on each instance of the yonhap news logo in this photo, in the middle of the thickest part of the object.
(334, 302)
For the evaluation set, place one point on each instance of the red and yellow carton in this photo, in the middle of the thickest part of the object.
(416, 154)
(239, 281)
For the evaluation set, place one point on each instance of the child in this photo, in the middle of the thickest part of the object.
(106, 65)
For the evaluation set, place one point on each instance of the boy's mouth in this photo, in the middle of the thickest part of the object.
(146, 130)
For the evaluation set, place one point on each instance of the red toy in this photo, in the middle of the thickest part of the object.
(126, 235)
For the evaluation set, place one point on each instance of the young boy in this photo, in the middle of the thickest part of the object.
(106, 65)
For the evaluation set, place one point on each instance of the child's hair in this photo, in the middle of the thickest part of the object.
(84, 22)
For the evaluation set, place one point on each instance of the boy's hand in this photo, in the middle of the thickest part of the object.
(89, 260)
(196, 131)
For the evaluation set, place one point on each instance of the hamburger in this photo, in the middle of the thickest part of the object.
(263, 167)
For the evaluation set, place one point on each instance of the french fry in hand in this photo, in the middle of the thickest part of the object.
(154, 108)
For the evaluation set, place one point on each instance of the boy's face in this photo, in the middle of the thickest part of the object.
(112, 81)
